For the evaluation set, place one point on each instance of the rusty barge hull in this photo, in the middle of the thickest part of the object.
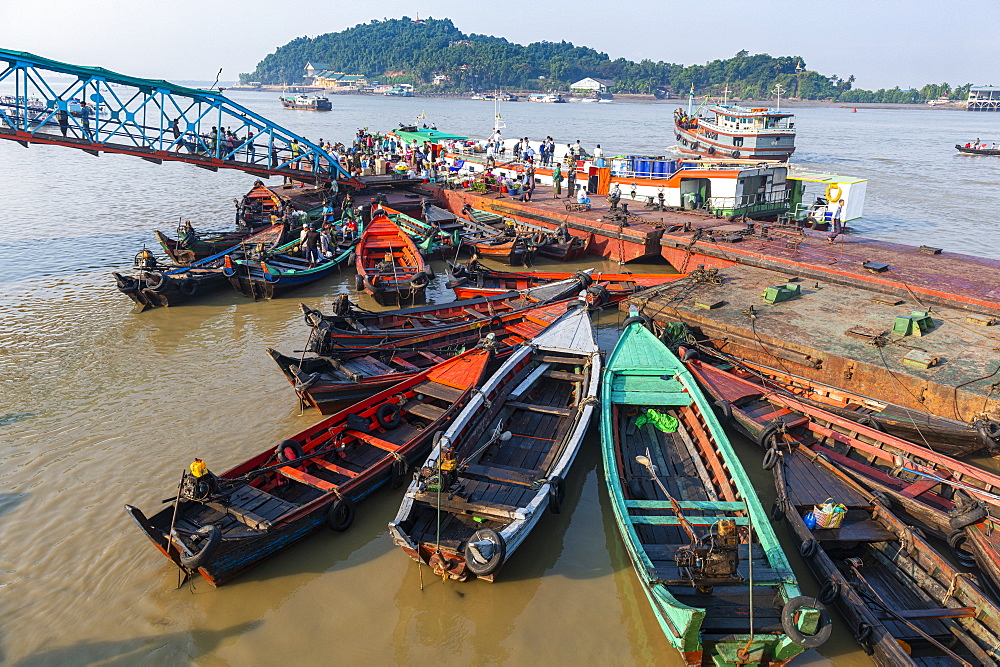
(841, 335)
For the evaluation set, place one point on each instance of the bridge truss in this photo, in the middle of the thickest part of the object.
(96, 110)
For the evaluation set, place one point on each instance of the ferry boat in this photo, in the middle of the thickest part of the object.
(738, 132)
(307, 102)
(552, 98)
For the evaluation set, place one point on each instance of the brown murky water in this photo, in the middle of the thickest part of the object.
(100, 405)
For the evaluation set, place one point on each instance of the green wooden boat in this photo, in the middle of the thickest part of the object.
(702, 546)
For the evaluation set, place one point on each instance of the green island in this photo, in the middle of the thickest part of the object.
(435, 56)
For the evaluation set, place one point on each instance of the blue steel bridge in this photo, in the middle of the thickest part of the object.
(155, 120)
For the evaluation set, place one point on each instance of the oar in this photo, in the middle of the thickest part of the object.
(685, 524)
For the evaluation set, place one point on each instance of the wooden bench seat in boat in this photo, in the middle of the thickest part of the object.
(307, 479)
(920, 614)
(254, 508)
(553, 359)
(424, 410)
(459, 505)
(863, 530)
(438, 390)
(333, 467)
(563, 375)
(546, 409)
(373, 440)
(499, 473)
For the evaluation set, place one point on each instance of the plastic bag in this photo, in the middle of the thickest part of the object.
(810, 520)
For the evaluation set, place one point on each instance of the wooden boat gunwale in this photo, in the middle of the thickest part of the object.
(389, 286)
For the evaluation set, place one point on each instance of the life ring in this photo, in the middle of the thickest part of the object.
(211, 537)
(340, 514)
(188, 287)
(833, 192)
(288, 450)
(388, 416)
(792, 630)
(557, 493)
(484, 559)
(636, 319)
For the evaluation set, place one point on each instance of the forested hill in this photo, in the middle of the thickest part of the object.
(408, 51)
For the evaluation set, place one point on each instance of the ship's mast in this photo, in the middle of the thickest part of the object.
(777, 90)
(725, 95)
(690, 100)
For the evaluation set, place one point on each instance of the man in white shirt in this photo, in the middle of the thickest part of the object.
(598, 153)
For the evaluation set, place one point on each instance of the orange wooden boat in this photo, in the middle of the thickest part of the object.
(389, 265)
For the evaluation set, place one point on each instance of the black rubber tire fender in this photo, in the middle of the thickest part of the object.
(188, 287)
(557, 494)
(389, 416)
(690, 354)
(288, 450)
(788, 622)
(419, 280)
(161, 285)
(725, 411)
(862, 632)
(968, 517)
(771, 458)
(600, 294)
(882, 498)
(472, 562)
(352, 258)
(359, 283)
(870, 421)
(457, 270)
(429, 270)
(640, 319)
(777, 512)
(211, 537)
(808, 548)
(989, 433)
(956, 539)
(311, 316)
(125, 283)
(398, 473)
(340, 514)
(585, 278)
(829, 593)
(768, 437)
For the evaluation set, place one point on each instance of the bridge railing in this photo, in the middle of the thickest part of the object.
(111, 111)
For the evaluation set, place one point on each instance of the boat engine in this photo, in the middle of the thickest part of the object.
(145, 260)
(714, 560)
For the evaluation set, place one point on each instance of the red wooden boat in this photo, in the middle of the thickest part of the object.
(389, 265)
(326, 382)
(954, 500)
(473, 279)
(221, 526)
(363, 327)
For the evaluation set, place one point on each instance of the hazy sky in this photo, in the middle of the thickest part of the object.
(882, 42)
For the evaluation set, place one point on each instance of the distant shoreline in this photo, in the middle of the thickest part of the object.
(646, 99)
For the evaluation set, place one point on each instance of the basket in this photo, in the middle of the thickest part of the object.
(829, 515)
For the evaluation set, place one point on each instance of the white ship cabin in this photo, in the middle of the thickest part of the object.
(814, 197)
(737, 119)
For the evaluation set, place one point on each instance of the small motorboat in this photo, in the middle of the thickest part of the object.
(306, 102)
(222, 525)
(264, 275)
(903, 602)
(346, 373)
(969, 149)
(191, 245)
(390, 267)
(495, 470)
(950, 499)
(701, 544)
(155, 285)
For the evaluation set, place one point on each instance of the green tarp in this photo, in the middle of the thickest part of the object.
(664, 422)
(433, 136)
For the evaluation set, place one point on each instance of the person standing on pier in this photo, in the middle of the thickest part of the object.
(85, 117)
(836, 227)
(570, 180)
(63, 118)
(557, 179)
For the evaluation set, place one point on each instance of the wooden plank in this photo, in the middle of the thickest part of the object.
(917, 488)
(396, 359)
(332, 467)
(250, 519)
(864, 530)
(693, 520)
(698, 463)
(424, 410)
(563, 375)
(950, 612)
(438, 390)
(430, 355)
(722, 506)
(307, 479)
(460, 505)
(474, 313)
(562, 412)
(373, 440)
(501, 474)
(554, 359)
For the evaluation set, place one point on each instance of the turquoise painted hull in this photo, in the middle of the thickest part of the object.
(642, 373)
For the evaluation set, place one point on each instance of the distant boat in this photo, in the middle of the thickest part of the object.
(854, 110)
(553, 98)
(739, 132)
(306, 102)
(970, 150)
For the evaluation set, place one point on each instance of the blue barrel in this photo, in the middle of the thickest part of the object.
(671, 167)
(659, 169)
(643, 168)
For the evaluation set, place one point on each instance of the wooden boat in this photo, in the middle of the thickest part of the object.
(433, 239)
(702, 546)
(557, 244)
(497, 243)
(364, 326)
(390, 268)
(903, 602)
(153, 285)
(976, 151)
(947, 436)
(190, 245)
(473, 279)
(265, 275)
(263, 201)
(952, 500)
(494, 471)
(565, 247)
(348, 374)
(221, 526)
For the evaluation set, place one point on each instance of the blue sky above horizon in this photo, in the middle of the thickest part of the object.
(884, 43)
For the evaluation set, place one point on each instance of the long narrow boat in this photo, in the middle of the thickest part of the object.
(327, 382)
(263, 276)
(191, 245)
(503, 460)
(151, 287)
(222, 526)
(432, 238)
(701, 544)
(348, 321)
(390, 268)
(473, 279)
(951, 499)
(903, 602)
(947, 436)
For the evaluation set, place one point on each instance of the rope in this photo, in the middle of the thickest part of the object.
(954, 585)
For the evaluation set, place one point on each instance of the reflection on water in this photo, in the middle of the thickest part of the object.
(101, 405)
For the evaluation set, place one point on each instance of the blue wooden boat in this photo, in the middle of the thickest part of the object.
(702, 546)
(262, 275)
